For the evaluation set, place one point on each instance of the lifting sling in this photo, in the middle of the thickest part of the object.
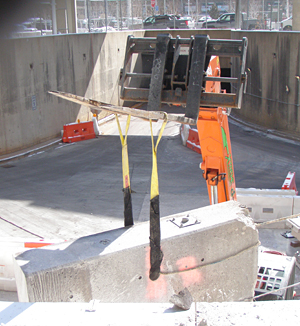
(156, 254)
(128, 218)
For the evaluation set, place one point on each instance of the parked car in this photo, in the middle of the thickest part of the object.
(201, 20)
(165, 22)
(39, 23)
(228, 21)
(224, 21)
(103, 29)
(115, 24)
(287, 24)
(190, 20)
(24, 28)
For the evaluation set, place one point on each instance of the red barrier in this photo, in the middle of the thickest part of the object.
(290, 182)
(193, 141)
(74, 132)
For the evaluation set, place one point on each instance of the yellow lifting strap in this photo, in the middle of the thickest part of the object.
(128, 217)
(156, 255)
(154, 177)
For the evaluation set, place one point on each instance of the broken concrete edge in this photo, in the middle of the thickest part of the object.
(217, 255)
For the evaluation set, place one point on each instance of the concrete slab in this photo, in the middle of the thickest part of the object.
(275, 313)
(256, 313)
(212, 251)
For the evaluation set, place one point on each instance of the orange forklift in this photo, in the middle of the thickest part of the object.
(187, 72)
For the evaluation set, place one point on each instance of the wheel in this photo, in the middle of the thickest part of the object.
(287, 28)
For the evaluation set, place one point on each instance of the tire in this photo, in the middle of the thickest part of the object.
(288, 28)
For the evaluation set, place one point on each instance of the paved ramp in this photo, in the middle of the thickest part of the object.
(73, 190)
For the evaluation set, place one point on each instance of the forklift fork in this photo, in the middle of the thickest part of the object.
(172, 71)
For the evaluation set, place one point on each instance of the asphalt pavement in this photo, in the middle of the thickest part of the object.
(73, 190)
(70, 190)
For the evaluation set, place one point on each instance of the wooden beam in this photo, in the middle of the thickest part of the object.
(143, 114)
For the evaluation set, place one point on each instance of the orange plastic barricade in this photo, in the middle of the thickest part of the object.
(193, 141)
(290, 182)
(78, 131)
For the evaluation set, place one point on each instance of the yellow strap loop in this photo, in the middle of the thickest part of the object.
(125, 161)
(154, 177)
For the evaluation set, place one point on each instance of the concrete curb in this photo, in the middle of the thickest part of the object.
(27, 152)
(42, 146)
(106, 119)
(275, 133)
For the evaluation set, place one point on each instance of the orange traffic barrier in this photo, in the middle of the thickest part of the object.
(74, 132)
(193, 141)
(290, 182)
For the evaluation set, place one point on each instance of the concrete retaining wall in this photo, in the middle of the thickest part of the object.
(272, 96)
(212, 252)
(83, 64)
(89, 65)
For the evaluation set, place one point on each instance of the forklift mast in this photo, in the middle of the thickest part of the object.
(186, 73)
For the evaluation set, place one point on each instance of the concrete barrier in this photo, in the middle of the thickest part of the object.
(10, 247)
(296, 207)
(212, 251)
(269, 204)
(294, 224)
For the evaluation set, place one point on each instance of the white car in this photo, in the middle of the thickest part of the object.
(287, 24)
(190, 22)
(102, 29)
(202, 19)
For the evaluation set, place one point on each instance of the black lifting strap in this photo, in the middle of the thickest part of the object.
(156, 255)
(128, 217)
